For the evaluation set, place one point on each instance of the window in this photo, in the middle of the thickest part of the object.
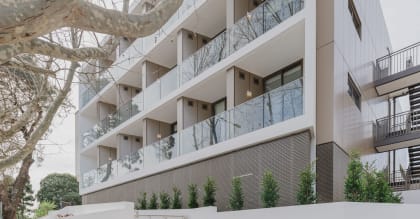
(219, 106)
(355, 18)
(354, 92)
(284, 76)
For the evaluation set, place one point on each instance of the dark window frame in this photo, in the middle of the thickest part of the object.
(281, 72)
(354, 92)
(213, 105)
(355, 18)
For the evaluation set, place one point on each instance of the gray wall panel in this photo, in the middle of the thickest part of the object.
(285, 158)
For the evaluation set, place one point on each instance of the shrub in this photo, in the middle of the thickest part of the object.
(383, 191)
(236, 201)
(44, 208)
(353, 187)
(209, 198)
(270, 191)
(306, 193)
(192, 196)
(177, 200)
(165, 200)
(141, 203)
(153, 202)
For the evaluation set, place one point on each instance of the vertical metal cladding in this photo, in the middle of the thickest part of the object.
(285, 158)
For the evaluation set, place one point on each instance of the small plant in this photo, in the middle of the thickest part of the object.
(165, 200)
(177, 200)
(153, 204)
(236, 201)
(192, 196)
(141, 203)
(270, 191)
(353, 187)
(44, 208)
(209, 198)
(306, 193)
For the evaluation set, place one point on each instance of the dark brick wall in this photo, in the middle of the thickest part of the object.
(331, 169)
(285, 157)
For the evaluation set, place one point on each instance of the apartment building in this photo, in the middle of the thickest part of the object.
(234, 88)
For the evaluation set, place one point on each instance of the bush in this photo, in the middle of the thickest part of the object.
(209, 198)
(165, 200)
(141, 203)
(365, 184)
(44, 208)
(353, 187)
(270, 191)
(236, 201)
(177, 200)
(306, 193)
(153, 202)
(383, 191)
(192, 196)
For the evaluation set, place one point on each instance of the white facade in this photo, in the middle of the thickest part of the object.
(222, 76)
(285, 43)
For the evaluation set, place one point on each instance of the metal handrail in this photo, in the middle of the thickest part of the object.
(397, 125)
(397, 61)
(404, 180)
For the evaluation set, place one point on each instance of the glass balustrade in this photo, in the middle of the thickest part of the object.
(93, 90)
(275, 106)
(123, 113)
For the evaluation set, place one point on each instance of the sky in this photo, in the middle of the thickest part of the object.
(401, 16)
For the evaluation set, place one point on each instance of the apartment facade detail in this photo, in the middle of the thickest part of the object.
(234, 88)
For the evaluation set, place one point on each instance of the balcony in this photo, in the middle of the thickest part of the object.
(257, 22)
(275, 106)
(397, 131)
(92, 91)
(123, 113)
(398, 70)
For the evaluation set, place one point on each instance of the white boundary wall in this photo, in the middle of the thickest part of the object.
(342, 210)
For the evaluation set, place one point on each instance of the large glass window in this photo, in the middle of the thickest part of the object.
(284, 76)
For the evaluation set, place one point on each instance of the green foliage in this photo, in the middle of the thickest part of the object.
(383, 191)
(165, 200)
(60, 189)
(353, 188)
(236, 201)
(141, 203)
(192, 196)
(177, 200)
(153, 204)
(369, 184)
(209, 198)
(366, 184)
(270, 191)
(306, 193)
(44, 208)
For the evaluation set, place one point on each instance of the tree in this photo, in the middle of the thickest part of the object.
(39, 58)
(25, 23)
(306, 193)
(353, 187)
(383, 191)
(141, 203)
(177, 200)
(270, 191)
(165, 200)
(236, 201)
(153, 203)
(56, 188)
(192, 196)
(369, 183)
(44, 208)
(27, 201)
(209, 198)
